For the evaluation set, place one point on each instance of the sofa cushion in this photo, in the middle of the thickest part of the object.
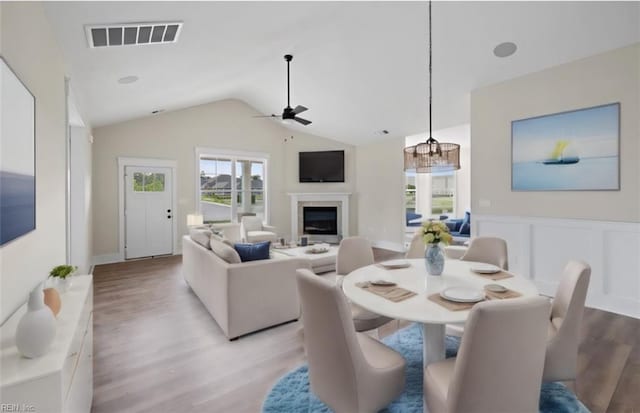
(453, 224)
(252, 223)
(253, 252)
(465, 228)
(201, 236)
(467, 218)
(224, 251)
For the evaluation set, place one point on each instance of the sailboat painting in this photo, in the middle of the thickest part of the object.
(568, 151)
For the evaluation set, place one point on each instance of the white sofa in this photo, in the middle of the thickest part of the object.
(242, 297)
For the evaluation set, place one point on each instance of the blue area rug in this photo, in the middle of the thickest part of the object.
(291, 393)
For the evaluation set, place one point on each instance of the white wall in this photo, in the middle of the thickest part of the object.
(380, 192)
(546, 229)
(605, 78)
(80, 202)
(26, 42)
(227, 125)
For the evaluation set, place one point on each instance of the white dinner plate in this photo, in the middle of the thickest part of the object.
(395, 264)
(485, 268)
(462, 294)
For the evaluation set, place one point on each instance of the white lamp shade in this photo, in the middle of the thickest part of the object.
(194, 219)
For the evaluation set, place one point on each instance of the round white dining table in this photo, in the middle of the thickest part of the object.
(419, 308)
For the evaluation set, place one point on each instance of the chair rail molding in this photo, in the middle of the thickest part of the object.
(340, 198)
(539, 248)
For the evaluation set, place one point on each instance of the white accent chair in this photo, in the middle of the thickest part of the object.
(489, 250)
(499, 364)
(253, 230)
(564, 325)
(354, 253)
(349, 371)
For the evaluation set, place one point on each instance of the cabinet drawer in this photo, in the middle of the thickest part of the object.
(86, 319)
(80, 394)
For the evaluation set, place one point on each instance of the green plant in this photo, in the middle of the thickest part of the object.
(435, 232)
(62, 271)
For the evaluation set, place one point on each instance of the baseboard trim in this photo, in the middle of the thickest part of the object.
(388, 245)
(106, 259)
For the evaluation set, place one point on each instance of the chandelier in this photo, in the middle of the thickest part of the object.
(431, 155)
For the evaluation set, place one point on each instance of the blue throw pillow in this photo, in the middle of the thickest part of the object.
(253, 252)
(465, 229)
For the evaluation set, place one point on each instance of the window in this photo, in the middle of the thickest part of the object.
(231, 185)
(148, 182)
(430, 195)
(443, 187)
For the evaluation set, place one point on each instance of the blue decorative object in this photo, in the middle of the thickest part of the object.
(291, 393)
(253, 252)
(434, 259)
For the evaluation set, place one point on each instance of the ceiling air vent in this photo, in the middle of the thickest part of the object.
(132, 34)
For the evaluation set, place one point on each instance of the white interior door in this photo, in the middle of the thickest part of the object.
(148, 211)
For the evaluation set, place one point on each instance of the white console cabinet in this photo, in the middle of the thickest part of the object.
(62, 379)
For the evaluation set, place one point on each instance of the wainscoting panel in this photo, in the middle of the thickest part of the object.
(539, 248)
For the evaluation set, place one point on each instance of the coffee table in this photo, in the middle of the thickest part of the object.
(320, 263)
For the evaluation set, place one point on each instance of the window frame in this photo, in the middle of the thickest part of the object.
(234, 157)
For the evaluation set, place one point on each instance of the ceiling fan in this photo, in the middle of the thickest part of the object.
(288, 112)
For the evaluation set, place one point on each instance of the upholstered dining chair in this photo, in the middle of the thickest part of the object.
(349, 371)
(354, 253)
(564, 325)
(417, 247)
(253, 230)
(499, 364)
(489, 250)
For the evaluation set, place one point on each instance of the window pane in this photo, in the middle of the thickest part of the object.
(138, 182)
(410, 193)
(215, 186)
(442, 194)
(153, 182)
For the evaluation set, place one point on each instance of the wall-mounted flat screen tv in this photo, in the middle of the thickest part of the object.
(324, 166)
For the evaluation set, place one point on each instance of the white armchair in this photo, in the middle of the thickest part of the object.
(253, 230)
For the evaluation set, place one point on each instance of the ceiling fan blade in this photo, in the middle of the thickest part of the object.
(303, 121)
(299, 109)
(267, 116)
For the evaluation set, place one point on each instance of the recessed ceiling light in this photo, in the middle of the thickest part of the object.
(381, 132)
(127, 79)
(505, 49)
(155, 112)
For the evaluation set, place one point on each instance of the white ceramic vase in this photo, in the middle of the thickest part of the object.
(37, 327)
(63, 284)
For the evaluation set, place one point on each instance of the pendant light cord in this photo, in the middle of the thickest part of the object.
(430, 92)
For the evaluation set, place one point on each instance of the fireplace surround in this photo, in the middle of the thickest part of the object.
(317, 202)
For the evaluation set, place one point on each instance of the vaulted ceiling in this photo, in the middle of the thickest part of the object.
(359, 67)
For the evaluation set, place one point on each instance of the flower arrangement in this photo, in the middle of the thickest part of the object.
(435, 232)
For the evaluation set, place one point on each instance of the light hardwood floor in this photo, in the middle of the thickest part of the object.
(157, 349)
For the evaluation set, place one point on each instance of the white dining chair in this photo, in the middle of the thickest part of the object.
(349, 371)
(354, 253)
(564, 324)
(416, 247)
(489, 250)
(499, 364)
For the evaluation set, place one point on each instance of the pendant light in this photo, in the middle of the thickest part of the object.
(431, 155)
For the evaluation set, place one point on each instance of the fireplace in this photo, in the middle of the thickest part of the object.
(320, 220)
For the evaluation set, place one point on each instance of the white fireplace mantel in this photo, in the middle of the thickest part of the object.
(341, 198)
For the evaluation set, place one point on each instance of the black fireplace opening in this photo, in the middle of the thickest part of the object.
(320, 220)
